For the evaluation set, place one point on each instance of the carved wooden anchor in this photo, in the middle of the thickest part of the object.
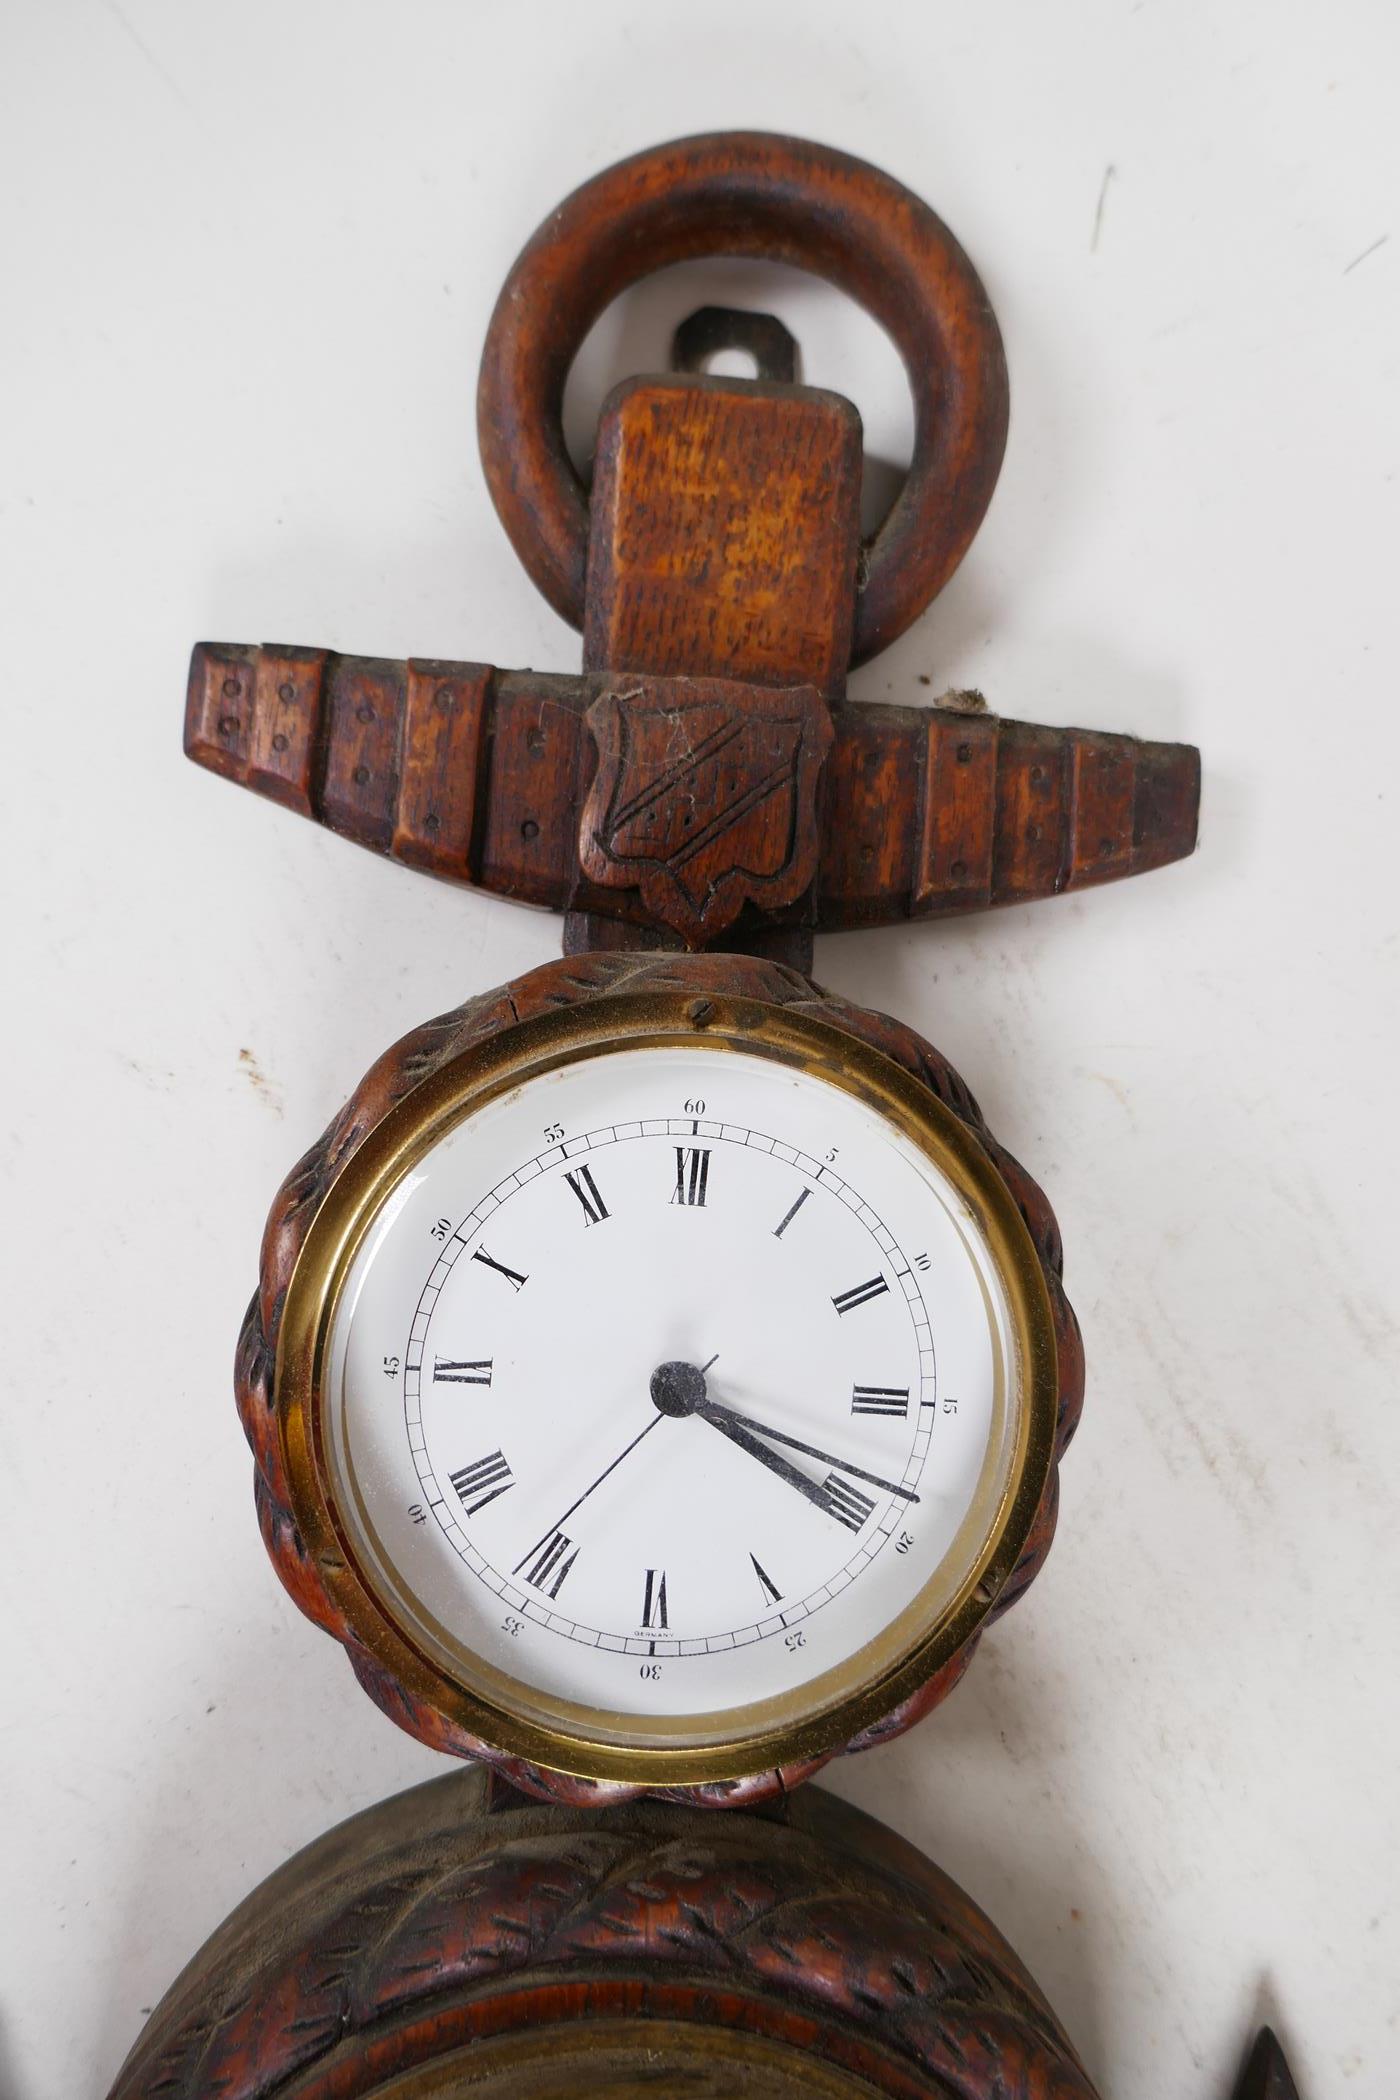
(705, 780)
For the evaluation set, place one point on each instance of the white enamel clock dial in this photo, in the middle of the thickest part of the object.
(664, 1385)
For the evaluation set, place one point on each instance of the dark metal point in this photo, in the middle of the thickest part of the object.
(678, 1389)
(1266, 2075)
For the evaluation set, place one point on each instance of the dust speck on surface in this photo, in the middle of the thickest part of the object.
(149, 1075)
(257, 1079)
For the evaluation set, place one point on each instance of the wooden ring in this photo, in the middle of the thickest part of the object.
(781, 200)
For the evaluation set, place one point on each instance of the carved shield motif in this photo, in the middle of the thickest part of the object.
(704, 798)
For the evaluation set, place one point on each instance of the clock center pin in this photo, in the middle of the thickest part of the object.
(678, 1388)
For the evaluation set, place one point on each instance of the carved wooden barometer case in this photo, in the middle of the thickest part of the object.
(658, 1371)
(460, 1942)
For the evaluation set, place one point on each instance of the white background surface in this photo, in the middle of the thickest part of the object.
(249, 252)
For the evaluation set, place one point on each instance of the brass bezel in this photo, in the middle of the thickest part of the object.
(464, 1084)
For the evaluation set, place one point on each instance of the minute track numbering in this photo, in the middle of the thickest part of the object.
(684, 1145)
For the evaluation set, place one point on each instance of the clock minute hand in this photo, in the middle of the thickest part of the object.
(730, 1420)
(589, 1490)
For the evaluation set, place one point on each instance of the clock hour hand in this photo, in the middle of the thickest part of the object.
(775, 1462)
(730, 1421)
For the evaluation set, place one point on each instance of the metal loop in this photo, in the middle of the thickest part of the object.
(777, 199)
(711, 329)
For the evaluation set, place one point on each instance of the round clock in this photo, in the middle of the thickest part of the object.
(657, 1378)
(457, 1941)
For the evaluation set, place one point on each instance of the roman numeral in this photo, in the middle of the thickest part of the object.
(549, 1560)
(770, 1588)
(586, 1189)
(513, 1276)
(482, 1482)
(692, 1175)
(447, 1372)
(847, 1301)
(879, 1400)
(779, 1230)
(845, 1503)
(654, 1600)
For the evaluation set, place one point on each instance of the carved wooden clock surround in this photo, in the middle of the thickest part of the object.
(702, 799)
